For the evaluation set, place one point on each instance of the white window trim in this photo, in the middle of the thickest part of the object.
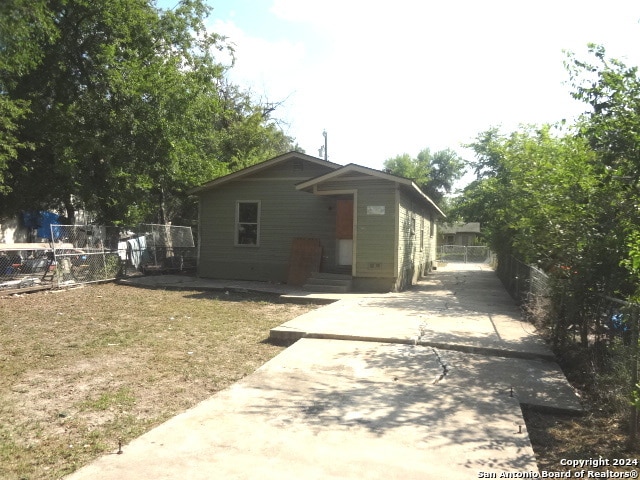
(237, 224)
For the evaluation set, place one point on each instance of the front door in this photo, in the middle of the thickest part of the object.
(344, 231)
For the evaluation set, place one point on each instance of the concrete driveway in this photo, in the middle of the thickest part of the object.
(423, 384)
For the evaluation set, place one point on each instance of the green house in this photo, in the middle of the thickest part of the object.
(296, 219)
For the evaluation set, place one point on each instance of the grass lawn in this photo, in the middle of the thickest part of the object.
(84, 369)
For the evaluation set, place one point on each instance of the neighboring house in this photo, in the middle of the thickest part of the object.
(465, 234)
(35, 226)
(27, 227)
(295, 214)
(12, 230)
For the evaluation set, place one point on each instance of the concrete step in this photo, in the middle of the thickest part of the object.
(334, 276)
(327, 288)
(328, 283)
(339, 282)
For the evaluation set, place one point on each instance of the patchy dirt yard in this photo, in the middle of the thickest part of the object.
(83, 369)
(601, 433)
(594, 435)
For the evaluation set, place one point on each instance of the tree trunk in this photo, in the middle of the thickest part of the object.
(162, 220)
(70, 210)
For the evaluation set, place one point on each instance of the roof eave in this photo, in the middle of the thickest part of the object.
(376, 173)
(351, 167)
(257, 167)
(431, 202)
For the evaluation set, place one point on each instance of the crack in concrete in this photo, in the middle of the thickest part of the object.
(443, 365)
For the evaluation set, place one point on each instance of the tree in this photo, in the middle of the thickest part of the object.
(128, 110)
(433, 173)
(24, 26)
(535, 201)
(612, 128)
(247, 134)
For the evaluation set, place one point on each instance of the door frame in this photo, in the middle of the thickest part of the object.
(354, 193)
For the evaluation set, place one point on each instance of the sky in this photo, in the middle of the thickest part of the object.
(394, 77)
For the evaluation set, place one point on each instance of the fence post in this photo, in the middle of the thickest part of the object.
(517, 277)
(633, 417)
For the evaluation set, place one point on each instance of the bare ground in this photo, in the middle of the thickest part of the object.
(82, 370)
(594, 435)
(602, 432)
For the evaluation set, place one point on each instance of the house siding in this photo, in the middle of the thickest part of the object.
(416, 241)
(375, 234)
(433, 243)
(285, 214)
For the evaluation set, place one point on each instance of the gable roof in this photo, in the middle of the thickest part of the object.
(258, 167)
(353, 168)
(471, 227)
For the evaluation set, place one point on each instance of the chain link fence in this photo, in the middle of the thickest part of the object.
(25, 266)
(92, 253)
(85, 253)
(160, 248)
(585, 326)
(464, 254)
(525, 283)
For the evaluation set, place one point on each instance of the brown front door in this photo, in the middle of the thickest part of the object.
(344, 219)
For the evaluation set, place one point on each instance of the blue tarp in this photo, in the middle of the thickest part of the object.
(42, 222)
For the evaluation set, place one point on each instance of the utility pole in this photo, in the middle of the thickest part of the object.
(324, 134)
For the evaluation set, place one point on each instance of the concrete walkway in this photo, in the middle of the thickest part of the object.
(422, 384)
(464, 312)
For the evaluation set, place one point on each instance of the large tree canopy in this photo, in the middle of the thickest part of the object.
(612, 128)
(434, 173)
(119, 108)
(533, 193)
(25, 28)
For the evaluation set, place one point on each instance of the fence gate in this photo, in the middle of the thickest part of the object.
(463, 253)
(163, 248)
